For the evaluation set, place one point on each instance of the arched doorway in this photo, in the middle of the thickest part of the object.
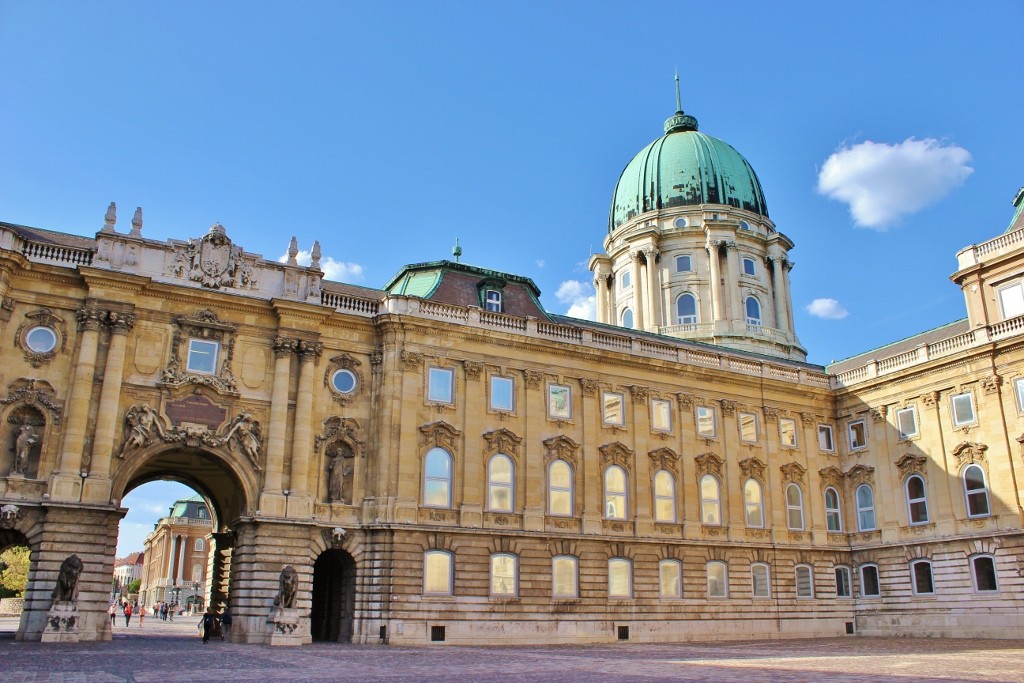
(334, 582)
(14, 570)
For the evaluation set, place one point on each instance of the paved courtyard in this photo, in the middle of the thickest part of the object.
(162, 652)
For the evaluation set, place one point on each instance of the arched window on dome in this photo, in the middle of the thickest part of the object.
(686, 309)
(753, 309)
(627, 318)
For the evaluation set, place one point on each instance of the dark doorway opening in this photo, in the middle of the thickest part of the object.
(334, 582)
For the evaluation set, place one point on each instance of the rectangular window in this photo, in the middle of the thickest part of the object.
(963, 409)
(749, 267)
(492, 301)
(804, 582)
(614, 408)
(869, 581)
(202, 356)
(825, 442)
(761, 588)
(718, 580)
(858, 435)
(748, 427)
(906, 422)
(559, 402)
(787, 431)
(684, 264)
(564, 577)
(705, 421)
(670, 574)
(501, 393)
(1018, 386)
(503, 575)
(620, 581)
(439, 385)
(437, 573)
(921, 572)
(1011, 299)
(843, 583)
(625, 280)
(661, 415)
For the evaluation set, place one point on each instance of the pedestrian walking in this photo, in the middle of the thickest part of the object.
(163, 611)
(206, 624)
(170, 611)
(225, 623)
(142, 614)
(128, 611)
(112, 611)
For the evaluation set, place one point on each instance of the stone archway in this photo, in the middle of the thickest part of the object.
(334, 586)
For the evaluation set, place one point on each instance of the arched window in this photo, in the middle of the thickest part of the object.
(804, 581)
(984, 569)
(620, 578)
(718, 579)
(564, 576)
(921, 577)
(504, 577)
(560, 488)
(437, 479)
(686, 309)
(710, 500)
(664, 497)
(437, 572)
(794, 507)
(760, 579)
(627, 318)
(865, 508)
(753, 308)
(500, 480)
(976, 491)
(670, 575)
(615, 492)
(200, 545)
(753, 503)
(833, 518)
(917, 500)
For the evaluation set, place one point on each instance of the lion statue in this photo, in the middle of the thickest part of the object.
(66, 589)
(288, 588)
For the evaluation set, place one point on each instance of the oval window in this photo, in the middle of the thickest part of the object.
(681, 222)
(343, 381)
(41, 340)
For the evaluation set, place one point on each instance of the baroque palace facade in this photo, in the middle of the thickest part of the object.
(442, 460)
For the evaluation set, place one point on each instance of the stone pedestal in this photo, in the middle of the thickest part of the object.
(283, 624)
(61, 623)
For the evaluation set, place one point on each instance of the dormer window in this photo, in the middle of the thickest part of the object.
(492, 301)
(202, 356)
(490, 294)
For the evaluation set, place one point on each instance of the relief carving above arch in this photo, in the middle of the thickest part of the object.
(664, 459)
(616, 454)
(561, 447)
(502, 441)
(753, 468)
(861, 474)
(709, 463)
(793, 472)
(206, 326)
(830, 476)
(967, 453)
(440, 434)
(912, 464)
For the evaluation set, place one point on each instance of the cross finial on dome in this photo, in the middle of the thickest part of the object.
(679, 101)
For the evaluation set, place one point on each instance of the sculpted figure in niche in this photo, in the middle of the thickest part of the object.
(339, 469)
(142, 426)
(245, 432)
(66, 589)
(23, 448)
(288, 588)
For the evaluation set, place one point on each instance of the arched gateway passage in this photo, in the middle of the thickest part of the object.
(334, 582)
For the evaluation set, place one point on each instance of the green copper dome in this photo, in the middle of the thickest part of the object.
(685, 168)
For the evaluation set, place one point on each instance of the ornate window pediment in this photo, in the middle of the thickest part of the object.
(752, 467)
(709, 463)
(830, 476)
(206, 329)
(440, 434)
(861, 474)
(967, 453)
(793, 472)
(560, 448)
(664, 459)
(911, 464)
(616, 454)
(502, 441)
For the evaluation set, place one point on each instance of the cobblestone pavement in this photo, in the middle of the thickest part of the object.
(161, 652)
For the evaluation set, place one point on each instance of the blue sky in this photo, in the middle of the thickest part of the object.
(386, 130)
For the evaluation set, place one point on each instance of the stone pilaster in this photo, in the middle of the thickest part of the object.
(716, 280)
(732, 283)
(272, 501)
(651, 298)
(300, 501)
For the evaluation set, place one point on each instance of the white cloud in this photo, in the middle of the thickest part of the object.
(882, 183)
(541, 263)
(339, 271)
(828, 309)
(580, 297)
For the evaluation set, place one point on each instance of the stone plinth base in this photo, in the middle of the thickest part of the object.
(61, 624)
(283, 623)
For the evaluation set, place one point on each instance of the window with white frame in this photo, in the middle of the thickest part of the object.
(825, 441)
(627, 318)
(760, 580)
(718, 579)
(753, 503)
(753, 309)
(440, 384)
(661, 415)
(865, 508)
(620, 578)
(200, 545)
(984, 569)
(706, 422)
(614, 412)
(559, 401)
(710, 501)
(202, 356)
(843, 588)
(504, 575)
(1011, 300)
(626, 280)
(833, 517)
(976, 491)
(492, 301)
(560, 488)
(787, 432)
(869, 586)
(437, 572)
(615, 492)
(664, 497)
(804, 581)
(500, 483)
(686, 309)
(963, 409)
(197, 573)
(748, 427)
(906, 423)
(502, 393)
(564, 576)
(917, 499)
(794, 507)
(1018, 388)
(921, 577)
(670, 578)
(684, 263)
(437, 478)
(858, 435)
(749, 266)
